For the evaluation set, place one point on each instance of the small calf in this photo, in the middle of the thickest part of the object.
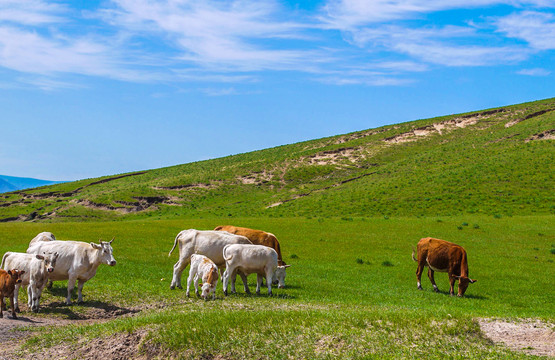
(8, 279)
(203, 267)
(37, 269)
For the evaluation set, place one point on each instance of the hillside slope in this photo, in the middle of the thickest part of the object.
(496, 161)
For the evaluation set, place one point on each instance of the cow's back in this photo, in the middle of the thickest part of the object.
(257, 237)
(208, 243)
(440, 254)
(72, 256)
(21, 261)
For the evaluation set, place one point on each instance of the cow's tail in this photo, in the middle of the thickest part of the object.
(226, 258)
(413, 258)
(4, 259)
(174, 243)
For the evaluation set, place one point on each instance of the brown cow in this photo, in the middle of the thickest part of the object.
(257, 237)
(8, 279)
(443, 256)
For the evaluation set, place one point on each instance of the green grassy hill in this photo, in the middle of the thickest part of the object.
(495, 162)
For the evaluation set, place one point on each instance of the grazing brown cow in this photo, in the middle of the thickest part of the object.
(443, 256)
(8, 279)
(257, 237)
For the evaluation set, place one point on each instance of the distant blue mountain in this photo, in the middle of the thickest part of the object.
(12, 183)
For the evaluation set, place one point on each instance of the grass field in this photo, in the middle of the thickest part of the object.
(351, 291)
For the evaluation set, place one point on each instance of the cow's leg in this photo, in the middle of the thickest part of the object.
(258, 283)
(452, 280)
(31, 294)
(80, 290)
(419, 270)
(13, 307)
(192, 274)
(269, 276)
(244, 279)
(195, 282)
(49, 285)
(232, 279)
(178, 270)
(431, 276)
(16, 295)
(2, 305)
(225, 280)
(70, 285)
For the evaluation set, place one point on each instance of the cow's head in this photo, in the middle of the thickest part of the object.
(49, 260)
(16, 275)
(207, 290)
(463, 284)
(106, 252)
(279, 276)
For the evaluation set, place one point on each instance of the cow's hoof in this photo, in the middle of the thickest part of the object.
(197, 294)
(172, 287)
(225, 292)
(179, 286)
(14, 316)
(17, 310)
(419, 288)
(436, 290)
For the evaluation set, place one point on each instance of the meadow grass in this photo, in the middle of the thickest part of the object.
(351, 291)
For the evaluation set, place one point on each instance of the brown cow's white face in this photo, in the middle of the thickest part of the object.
(463, 284)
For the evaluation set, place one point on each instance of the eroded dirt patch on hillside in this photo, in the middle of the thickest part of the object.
(533, 337)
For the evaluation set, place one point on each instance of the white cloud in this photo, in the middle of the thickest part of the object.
(234, 35)
(31, 12)
(536, 28)
(534, 72)
(350, 14)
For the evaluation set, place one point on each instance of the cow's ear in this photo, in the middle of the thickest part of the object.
(40, 257)
(96, 246)
(9, 272)
(472, 281)
(110, 242)
(286, 266)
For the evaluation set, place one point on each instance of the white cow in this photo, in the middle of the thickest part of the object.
(207, 243)
(249, 259)
(203, 267)
(77, 261)
(43, 236)
(37, 268)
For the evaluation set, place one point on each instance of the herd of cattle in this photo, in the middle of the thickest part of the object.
(240, 251)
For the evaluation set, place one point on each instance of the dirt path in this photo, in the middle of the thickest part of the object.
(533, 337)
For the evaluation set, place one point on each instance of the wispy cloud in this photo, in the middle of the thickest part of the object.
(534, 72)
(343, 42)
(536, 28)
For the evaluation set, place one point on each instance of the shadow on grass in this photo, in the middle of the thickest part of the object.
(467, 296)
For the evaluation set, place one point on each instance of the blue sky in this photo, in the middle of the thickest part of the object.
(92, 88)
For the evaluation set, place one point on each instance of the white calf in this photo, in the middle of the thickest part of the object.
(249, 259)
(37, 270)
(203, 267)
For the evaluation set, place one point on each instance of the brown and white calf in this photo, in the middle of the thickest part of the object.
(207, 243)
(248, 259)
(37, 268)
(205, 269)
(8, 279)
(443, 256)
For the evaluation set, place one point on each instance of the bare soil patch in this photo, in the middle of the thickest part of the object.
(13, 332)
(531, 336)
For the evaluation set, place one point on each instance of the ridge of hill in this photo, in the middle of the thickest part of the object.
(496, 161)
